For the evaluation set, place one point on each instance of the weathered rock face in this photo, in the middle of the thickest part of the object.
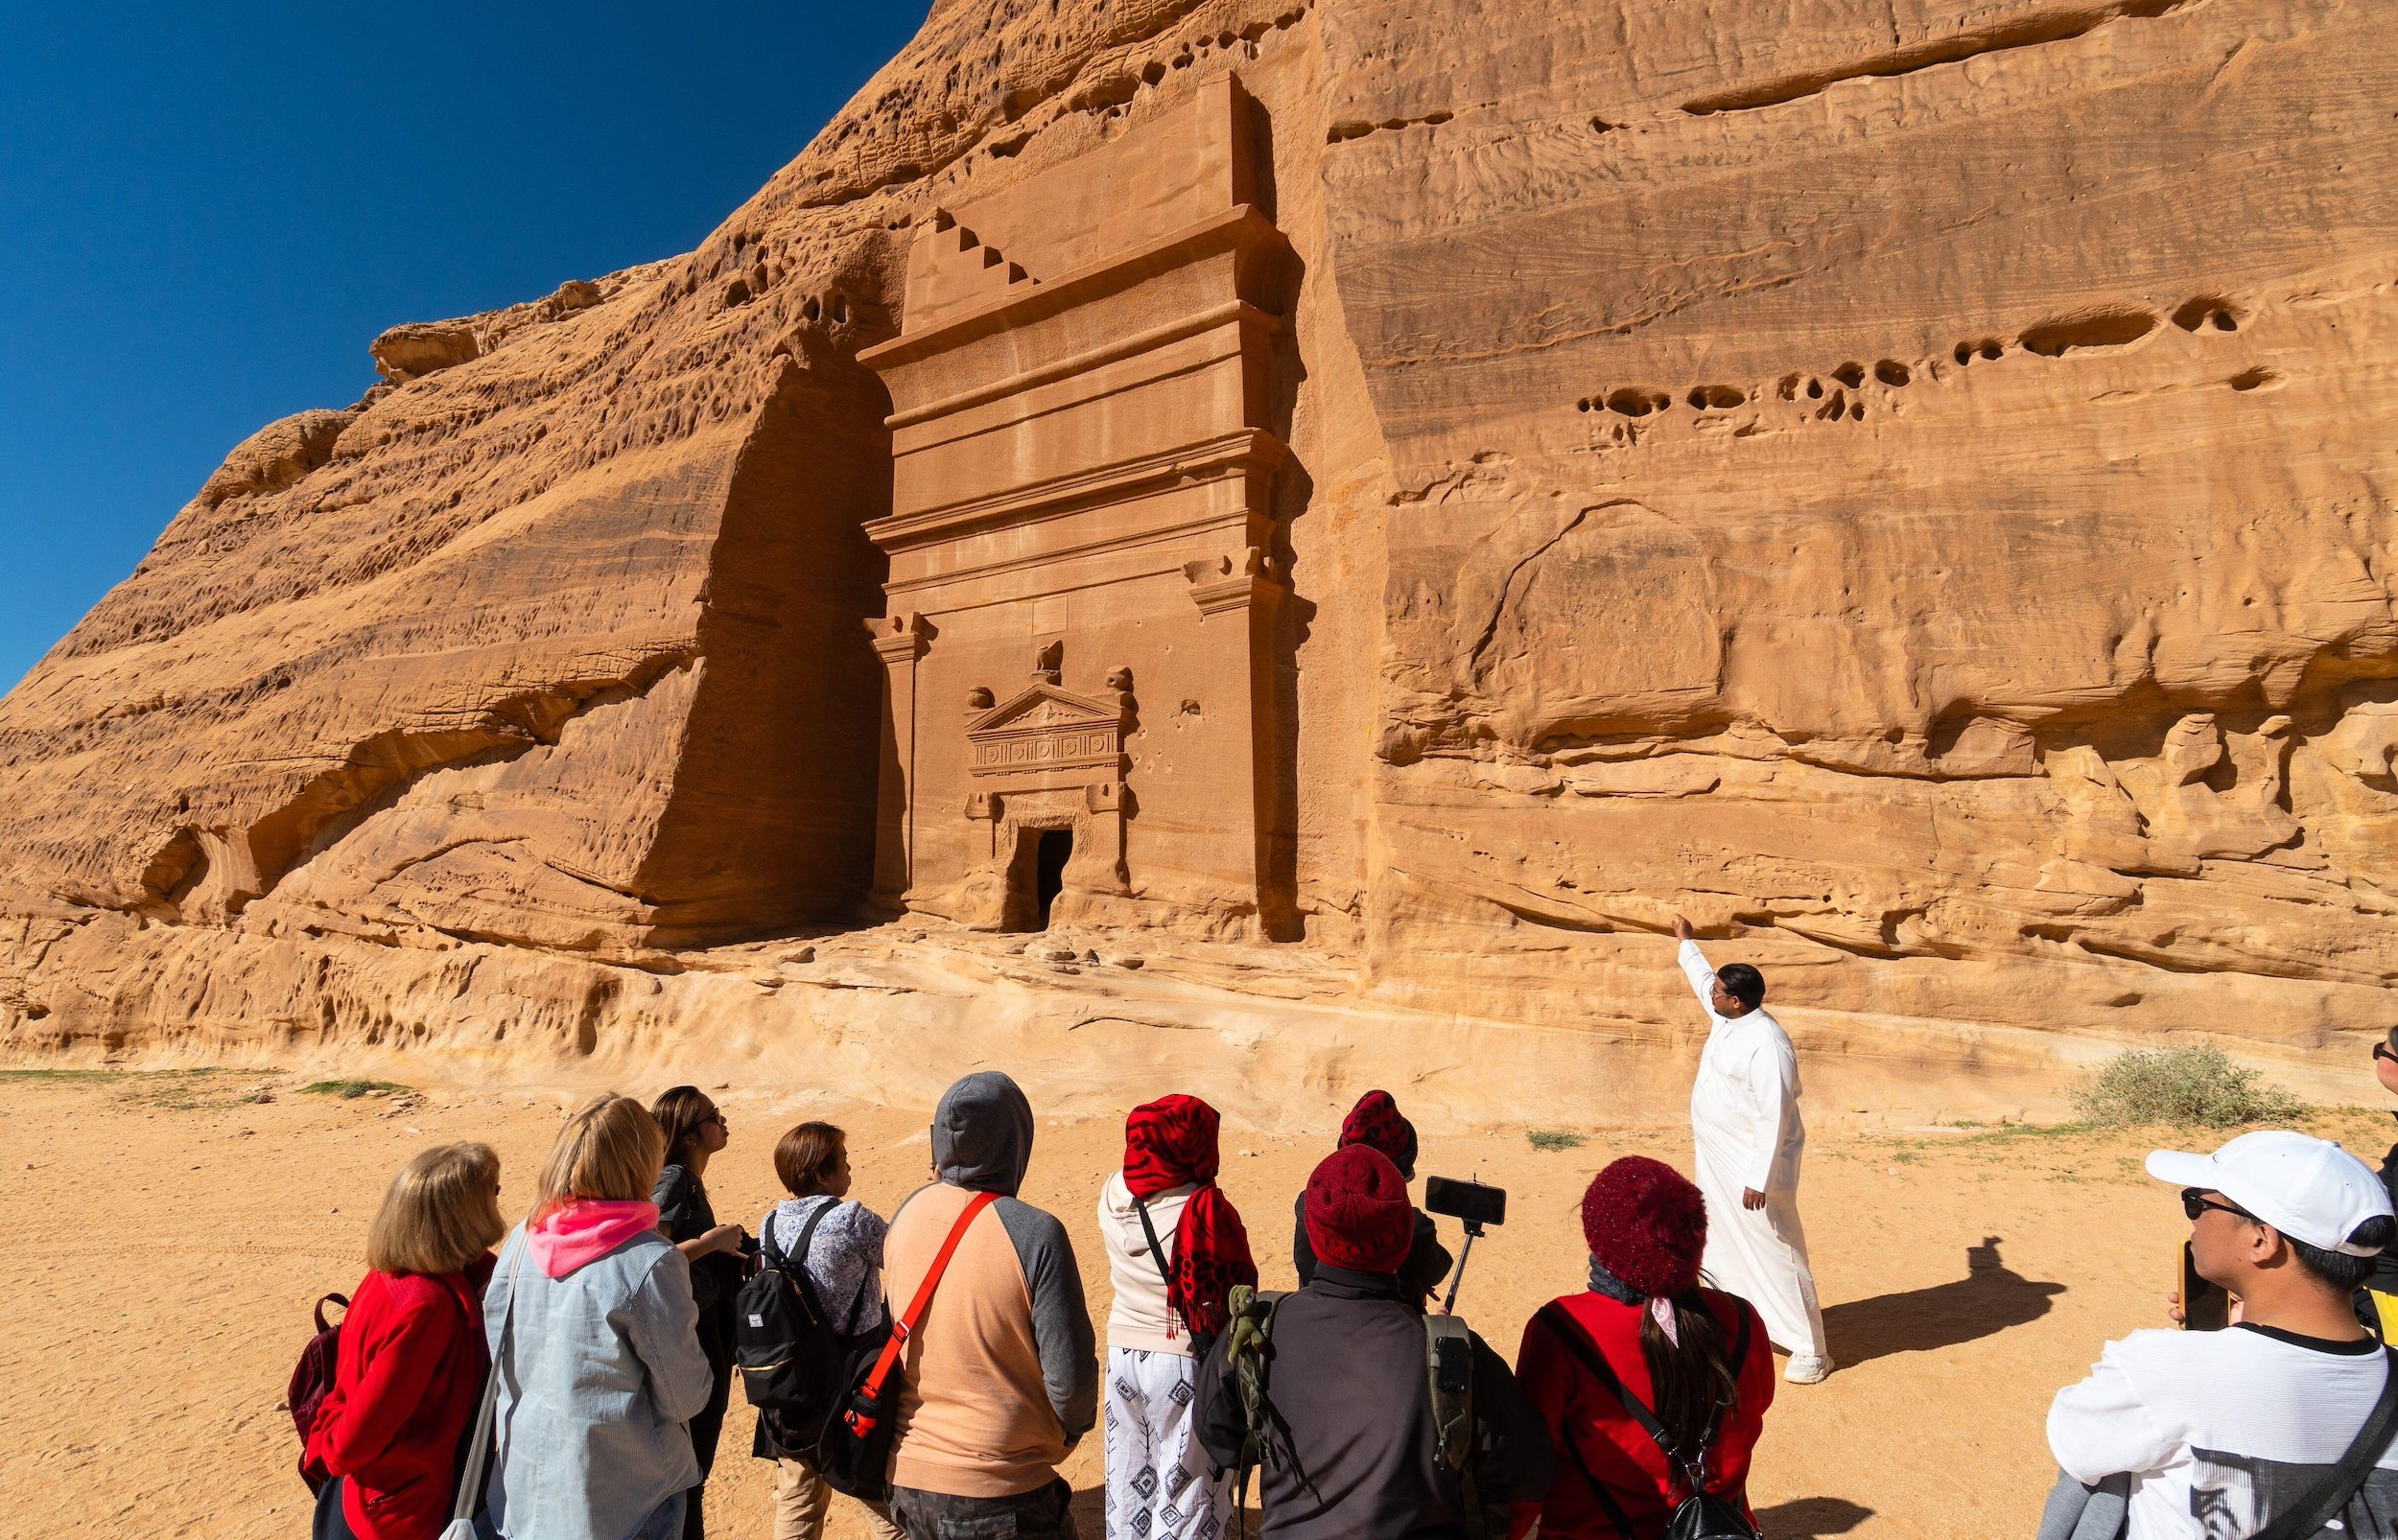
(1910, 487)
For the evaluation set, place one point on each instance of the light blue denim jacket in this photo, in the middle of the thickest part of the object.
(601, 1373)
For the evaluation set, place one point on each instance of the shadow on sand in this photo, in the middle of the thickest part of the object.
(1990, 1297)
(1811, 1518)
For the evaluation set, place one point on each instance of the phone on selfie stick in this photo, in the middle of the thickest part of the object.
(2204, 1306)
(1477, 1205)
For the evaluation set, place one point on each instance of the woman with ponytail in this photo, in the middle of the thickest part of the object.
(1644, 1338)
(1175, 1247)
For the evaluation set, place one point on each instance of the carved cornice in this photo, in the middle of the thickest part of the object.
(1239, 229)
(1246, 449)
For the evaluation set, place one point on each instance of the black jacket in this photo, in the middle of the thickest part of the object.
(1353, 1409)
(1427, 1260)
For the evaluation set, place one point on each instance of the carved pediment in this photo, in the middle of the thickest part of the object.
(1047, 729)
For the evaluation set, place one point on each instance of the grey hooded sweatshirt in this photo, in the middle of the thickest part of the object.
(1003, 1373)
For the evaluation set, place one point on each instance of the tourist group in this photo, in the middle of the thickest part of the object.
(936, 1368)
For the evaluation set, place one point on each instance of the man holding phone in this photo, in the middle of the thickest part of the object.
(2226, 1432)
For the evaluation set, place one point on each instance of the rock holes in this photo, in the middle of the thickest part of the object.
(1851, 375)
(1602, 126)
(2101, 328)
(1632, 401)
(2207, 310)
(1893, 373)
(2259, 378)
(1815, 390)
(1989, 347)
(1716, 397)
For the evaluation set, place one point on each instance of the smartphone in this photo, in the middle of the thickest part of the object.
(2204, 1306)
(1470, 1201)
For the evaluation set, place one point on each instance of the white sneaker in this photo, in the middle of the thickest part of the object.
(1807, 1369)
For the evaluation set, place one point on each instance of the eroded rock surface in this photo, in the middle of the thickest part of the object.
(1908, 486)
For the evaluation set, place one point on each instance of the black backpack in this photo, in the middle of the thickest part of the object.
(794, 1361)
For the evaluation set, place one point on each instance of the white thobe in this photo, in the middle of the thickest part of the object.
(1744, 1116)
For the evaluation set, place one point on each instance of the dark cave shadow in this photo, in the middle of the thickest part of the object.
(1989, 1298)
(1811, 1518)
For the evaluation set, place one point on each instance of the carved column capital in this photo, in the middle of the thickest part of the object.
(901, 638)
(1233, 583)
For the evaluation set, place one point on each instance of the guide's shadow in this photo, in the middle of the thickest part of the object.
(1990, 1297)
(1811, 1518)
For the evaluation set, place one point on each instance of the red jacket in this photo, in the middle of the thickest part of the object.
(409, 1381)
(1594, 1434)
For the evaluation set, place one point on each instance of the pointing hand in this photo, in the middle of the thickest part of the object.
(1682, 928)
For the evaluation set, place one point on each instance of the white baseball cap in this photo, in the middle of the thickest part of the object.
(2309, 1189)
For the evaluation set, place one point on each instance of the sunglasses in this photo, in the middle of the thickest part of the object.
(2194, 1201)
(2381, 1050)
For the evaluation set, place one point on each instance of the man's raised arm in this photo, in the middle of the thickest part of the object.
(1694, 965)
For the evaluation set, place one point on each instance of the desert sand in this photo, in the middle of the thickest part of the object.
(167, 1232)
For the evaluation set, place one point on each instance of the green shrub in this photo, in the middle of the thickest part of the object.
(1554, 1139)
(350, 1090)
(2190, 1085)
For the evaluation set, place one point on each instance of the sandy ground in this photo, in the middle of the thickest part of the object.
(165, 1234)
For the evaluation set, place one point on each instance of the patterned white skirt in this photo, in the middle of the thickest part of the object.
(1157, 1474)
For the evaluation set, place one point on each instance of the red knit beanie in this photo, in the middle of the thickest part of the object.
(1377, 1122)
(1647, 1224)
(1358, 1216)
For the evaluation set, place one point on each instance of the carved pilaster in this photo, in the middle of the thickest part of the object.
(901, 642)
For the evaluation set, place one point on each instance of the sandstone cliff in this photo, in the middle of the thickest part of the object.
(1908, 484)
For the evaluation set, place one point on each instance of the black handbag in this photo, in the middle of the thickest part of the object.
(1699, 1516)
(853, 1453)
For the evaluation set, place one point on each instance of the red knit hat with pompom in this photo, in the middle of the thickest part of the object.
(1647, 1224)
(1358, 1216)
(1376, 1121)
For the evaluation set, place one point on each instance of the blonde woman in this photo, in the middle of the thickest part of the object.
(413, 1362)
(590, 1316)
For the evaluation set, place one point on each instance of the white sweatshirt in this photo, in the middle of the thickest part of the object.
(1137, 1319)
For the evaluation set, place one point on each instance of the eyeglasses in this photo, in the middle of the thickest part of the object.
(717, 1117)
(2194, 1201)
(2381, 1050)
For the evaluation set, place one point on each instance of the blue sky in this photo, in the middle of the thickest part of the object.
(206, 211)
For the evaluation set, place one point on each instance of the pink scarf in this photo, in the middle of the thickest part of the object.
(583, 1230)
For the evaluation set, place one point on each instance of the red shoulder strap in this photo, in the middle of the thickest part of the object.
(905, 1326)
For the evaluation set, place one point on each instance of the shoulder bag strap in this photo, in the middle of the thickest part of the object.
(797, 1272)
(1576, 1341)
(1157, 1252)
(342, 1299)
(470, 1480)
(905, 1328)
(2322, 1505)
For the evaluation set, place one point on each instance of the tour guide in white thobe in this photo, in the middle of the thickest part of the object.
(1744, 1113)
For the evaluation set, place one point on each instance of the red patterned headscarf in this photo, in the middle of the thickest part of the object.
(1376, 1122)
(1171, 1142)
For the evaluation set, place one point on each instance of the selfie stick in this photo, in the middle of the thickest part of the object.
(1457, 1279)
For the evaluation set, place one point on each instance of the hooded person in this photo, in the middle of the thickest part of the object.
(1695, 1358)
(1356, 1450)
(1376, 1123)
(1001, 1377)
(1176, 1248)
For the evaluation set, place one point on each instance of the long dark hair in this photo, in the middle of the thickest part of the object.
(681, 1113)
(1689, 1382)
